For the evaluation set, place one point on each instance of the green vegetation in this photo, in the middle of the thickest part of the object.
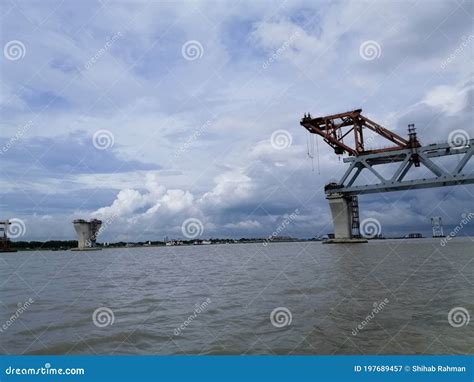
(50, 244)
(56, 245)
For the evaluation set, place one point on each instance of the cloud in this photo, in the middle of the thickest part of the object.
(449, 99)
(244, 225)
(231, 187)
(67, 155)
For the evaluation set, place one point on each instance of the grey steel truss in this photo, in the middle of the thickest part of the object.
(420, 156)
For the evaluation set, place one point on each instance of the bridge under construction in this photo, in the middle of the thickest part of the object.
(345, 133)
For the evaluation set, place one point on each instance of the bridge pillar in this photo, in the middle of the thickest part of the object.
(341, 211)
(341, 215)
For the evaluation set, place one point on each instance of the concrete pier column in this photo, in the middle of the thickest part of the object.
(341, 215)
(83, 234)
(86, 234)
(341, 211)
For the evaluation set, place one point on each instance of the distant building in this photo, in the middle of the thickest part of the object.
(414, 235)
(202, 242)
(437, 226)
(174, 242)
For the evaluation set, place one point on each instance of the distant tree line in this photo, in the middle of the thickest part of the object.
(50, 244)
(68, 244)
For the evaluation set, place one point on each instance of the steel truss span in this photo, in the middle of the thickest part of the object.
(404, 158)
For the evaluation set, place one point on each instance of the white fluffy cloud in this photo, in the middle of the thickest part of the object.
(449, 99)
(231, 187)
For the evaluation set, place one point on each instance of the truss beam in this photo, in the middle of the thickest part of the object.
(331, 128)
(406, 159)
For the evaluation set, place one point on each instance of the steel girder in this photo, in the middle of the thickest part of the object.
(405, 158)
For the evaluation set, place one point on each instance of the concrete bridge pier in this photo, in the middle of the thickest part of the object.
(341, 211)
(86, 234)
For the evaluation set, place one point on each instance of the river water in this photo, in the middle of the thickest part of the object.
(384, 297)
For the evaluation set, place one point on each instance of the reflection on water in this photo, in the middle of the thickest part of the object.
(384, 297)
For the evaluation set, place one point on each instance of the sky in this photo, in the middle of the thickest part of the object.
(152, 115)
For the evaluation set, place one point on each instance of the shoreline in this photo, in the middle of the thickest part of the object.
(264, 242)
